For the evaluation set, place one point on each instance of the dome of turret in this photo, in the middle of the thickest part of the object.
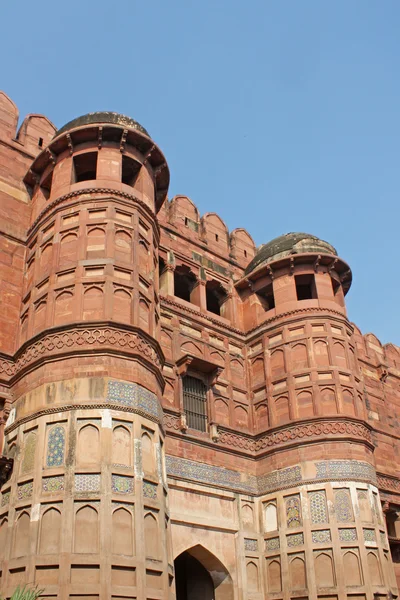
(98, 118)
(287, 244)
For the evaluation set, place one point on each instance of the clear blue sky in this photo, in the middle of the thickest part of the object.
(279, 116)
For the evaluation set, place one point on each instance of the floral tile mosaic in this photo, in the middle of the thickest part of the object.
(150, 490)
(56, 447)
(345, 469)
(121, 484)
(5, 498)
(348, 534)
(318, 507)
(250, 545)
(293, 512)
(134, 395)
(322, 536)
(294, 540)
(272, 544)
(29, 453)
(343, 506)
(87, 482)
(277, 479)
(369, 535)
(197, 471)
(53, 484)
(25, 490)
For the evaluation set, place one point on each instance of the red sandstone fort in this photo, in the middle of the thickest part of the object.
(183, 416)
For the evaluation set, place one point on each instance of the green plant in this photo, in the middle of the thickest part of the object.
(26, 594)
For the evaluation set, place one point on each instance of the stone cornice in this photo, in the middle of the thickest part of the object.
(84, 339)
(280, 438)
(388, 483)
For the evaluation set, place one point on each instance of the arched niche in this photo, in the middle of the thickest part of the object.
(214, 577)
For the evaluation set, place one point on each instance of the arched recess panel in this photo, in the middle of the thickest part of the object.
(281, 409)
(147, 453)
(261, 417)
(221, 411)
(96, 243)
(22, 535)
(364, 506)
(247, 515)
(321, 354)
(328, 401)
(122, 532)
(68, 249)
(252, 577)
(3, 537)
(28, 460)
(348, 403)
(324, 573)
(277, 363)
(274, 576)
(374, 569)
(122, 453)
(297, 570)
(151, 536)
(93, 304)
(305, 406)
(299, 357)
(86, 539)
(241, 417)
(88, 446)
(122, 306)
(271, 517)
(39, 316)
(257, 372)
(46, 256)
(144, 314)
(352, 571)
(63, 307)
(50, 531)
(339, 354)
(123, 246)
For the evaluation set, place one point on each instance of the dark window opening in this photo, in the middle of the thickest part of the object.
(85, 166)
(45, 186)
(215, 296)
(267, 298)
(216, 237)
(192, 580)
(336, 285)
(130, 170)
(195, 403)
(245, 253)
(40, 142)
(184, 282)
(186, 221)
(305, 287)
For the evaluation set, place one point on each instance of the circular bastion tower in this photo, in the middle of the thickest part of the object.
(323, 533)
(85, 514)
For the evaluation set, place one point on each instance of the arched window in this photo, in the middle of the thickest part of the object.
(215, 297)
(85, 167)
(195, 403)
(184, 282)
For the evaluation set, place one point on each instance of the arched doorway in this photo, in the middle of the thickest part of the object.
(199, 575)
(192, 580)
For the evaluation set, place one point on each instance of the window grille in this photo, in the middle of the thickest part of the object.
(195, 403)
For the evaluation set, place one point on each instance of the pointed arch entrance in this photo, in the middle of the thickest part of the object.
(199, 575)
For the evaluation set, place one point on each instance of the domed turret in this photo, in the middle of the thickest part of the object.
(288, 244)
(100, 118)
